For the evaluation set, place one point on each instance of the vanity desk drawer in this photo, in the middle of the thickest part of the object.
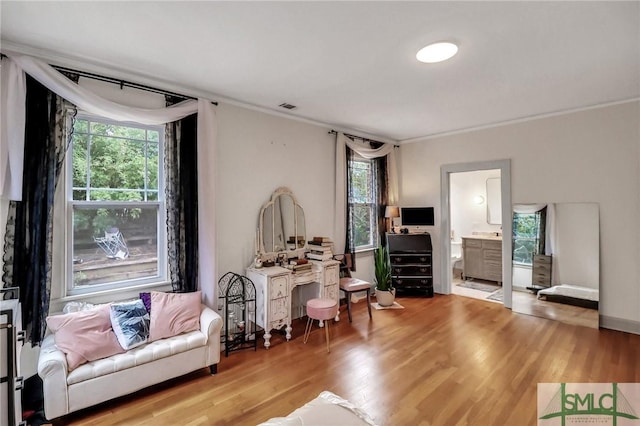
(279, 286)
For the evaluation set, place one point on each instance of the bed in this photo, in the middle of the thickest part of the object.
(572, 295)
(328, 409)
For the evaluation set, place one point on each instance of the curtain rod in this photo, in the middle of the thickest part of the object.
(333, 132)
(123, 83)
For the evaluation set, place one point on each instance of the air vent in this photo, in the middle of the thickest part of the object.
(287, 106)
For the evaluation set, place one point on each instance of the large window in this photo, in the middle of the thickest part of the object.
(362, 202)
(116, 205)
(528, 236)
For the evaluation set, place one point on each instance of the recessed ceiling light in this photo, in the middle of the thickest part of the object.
(437, 52)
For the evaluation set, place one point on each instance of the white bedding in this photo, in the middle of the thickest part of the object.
(575, 291)
(328, 409)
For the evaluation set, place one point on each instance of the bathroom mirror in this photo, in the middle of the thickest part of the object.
(281, 224)
(571, 237)
(494, 202)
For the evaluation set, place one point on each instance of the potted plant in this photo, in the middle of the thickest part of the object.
(385, 292)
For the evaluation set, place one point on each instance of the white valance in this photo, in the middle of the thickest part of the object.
(93, 104)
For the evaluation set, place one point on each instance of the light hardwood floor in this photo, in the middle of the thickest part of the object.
(440, 361)
(525, 302)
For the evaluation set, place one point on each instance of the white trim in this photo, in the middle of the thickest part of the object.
(619, 324)
(517, 120)
(69, 290)
(445, 225)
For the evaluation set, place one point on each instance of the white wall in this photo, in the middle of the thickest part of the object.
(466, 216)
(257, 153)
(587, 156)
(576, 245)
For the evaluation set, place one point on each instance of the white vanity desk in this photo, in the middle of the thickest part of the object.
(274, 289)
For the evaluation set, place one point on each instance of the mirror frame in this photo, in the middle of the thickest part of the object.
(298, 211)
(494, 201)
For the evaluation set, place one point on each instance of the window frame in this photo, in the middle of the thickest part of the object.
(372, 204)
(161, 278)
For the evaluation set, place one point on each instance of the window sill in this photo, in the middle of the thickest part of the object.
(107, 296)
(366, 250)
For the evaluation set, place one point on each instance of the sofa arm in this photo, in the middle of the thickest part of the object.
(53, 370)
(211, 326)
(210, 323)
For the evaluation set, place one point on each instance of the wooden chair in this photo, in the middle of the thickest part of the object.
(351, 285)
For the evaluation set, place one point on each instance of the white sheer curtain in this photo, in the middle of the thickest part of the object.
(340, 219)
(13, 69)
(12, 94)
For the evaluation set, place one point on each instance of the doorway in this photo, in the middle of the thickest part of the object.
(504, 166)
(474, 217)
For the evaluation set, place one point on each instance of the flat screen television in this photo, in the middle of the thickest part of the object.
(417, 216)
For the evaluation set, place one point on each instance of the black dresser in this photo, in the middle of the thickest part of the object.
(411, 263)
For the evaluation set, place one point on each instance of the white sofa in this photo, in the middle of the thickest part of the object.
(121, 374)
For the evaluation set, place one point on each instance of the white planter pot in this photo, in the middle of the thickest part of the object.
(385, 298)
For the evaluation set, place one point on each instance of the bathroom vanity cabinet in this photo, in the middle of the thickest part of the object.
(482, 258)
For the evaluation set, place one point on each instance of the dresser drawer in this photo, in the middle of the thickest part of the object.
(541, 259)
(331, 291)
(411, 270)
(279, 287)
(331, 275)
(470, 242)
(541, 269)
(544, 280)
(279, 308)
(492, 256)
(404, 282)
(405, 259)
(492, 244)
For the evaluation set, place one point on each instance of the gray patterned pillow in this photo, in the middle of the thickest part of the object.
(130, 323)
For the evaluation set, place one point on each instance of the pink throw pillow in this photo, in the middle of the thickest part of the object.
(84, 336)
(174, 313)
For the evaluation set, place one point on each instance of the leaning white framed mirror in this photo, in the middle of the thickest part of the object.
(556, 261)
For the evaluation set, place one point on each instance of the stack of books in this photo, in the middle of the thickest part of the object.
(320, 248)
(300, 265)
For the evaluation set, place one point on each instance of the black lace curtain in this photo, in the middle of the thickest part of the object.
(28, 238)
(181, 192)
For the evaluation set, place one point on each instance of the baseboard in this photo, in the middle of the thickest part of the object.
(619, 324)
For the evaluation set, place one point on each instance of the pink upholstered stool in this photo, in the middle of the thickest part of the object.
(323, 310)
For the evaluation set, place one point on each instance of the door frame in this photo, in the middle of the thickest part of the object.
(507, 221)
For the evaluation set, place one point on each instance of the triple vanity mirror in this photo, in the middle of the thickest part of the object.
(281, 228)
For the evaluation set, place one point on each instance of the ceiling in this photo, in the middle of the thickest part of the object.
(351, 65)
